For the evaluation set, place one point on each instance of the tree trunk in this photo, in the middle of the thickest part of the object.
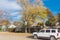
(29, 29)
(25, 29)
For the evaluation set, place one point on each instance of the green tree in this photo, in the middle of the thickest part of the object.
(51, 22)
(48, 23)
(59, 18)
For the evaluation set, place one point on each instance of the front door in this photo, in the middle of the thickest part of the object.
(47, 33)
(41, 33)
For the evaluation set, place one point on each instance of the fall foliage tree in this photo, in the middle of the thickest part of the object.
(5, 22)
(17, 23)
(32, 13)
(4, 18)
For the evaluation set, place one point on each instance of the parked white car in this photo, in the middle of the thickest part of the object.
(52, 34)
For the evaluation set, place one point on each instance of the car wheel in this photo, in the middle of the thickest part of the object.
(52, 38)
(35, 37)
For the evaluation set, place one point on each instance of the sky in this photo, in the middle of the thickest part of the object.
(13, 8)
(52, 5)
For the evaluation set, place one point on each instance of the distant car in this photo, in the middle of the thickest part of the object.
(52, 34)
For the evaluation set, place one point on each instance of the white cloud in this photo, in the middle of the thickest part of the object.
(11, 6)
(7, 5)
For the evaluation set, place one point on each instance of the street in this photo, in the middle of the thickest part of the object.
(15, 36)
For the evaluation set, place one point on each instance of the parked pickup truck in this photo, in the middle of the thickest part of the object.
(52, 34)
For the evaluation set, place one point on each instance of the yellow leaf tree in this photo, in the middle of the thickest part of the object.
(33, 12)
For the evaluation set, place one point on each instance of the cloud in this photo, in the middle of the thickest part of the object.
(12, 7)
(7, 5)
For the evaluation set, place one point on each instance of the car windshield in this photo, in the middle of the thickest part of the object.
(42, 30)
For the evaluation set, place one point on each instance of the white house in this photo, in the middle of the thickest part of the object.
(12, 26)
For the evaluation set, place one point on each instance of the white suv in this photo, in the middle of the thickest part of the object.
(52, 34)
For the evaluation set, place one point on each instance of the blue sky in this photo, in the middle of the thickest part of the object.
(52, 5)
(13, 8)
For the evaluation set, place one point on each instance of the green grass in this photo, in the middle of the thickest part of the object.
(0, 29)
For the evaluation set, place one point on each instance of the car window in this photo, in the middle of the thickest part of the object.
(48, 31)
(59, 30)
(42, 31)
(53, 31)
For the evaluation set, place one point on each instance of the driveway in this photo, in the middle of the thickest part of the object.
(16, 36)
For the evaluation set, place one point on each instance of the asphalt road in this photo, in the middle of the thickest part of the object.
(12, 36)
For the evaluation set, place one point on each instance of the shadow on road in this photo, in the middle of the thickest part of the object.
(31, 37)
